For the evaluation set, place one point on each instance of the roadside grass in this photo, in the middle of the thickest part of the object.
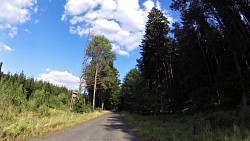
(18, 125)
(218, 126)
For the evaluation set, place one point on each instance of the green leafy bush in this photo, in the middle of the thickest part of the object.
(77, 107)
(44, 110)
(32, 104)
(87, 108)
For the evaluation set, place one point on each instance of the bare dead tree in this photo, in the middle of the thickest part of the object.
(85, 62)
(1, 63)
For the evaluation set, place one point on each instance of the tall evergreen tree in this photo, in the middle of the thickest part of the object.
(155, 65)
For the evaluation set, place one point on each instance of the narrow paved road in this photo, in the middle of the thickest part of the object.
(109, 127)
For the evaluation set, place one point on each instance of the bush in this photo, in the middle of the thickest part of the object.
(44, 110)
(99, 109)
(32, 104)
(77, 107)
(87, 108)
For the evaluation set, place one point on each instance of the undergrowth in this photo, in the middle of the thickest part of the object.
(20, 123)
(215, 126)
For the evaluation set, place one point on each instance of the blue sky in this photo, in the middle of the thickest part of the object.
(46, 38)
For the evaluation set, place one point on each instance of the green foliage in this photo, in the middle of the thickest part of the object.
(21, 92)
(87, 108)
(78, 107)
(33, 104)
(99, 109)
(204, 67)
(44, 110)
(131, 93)
(101, 71)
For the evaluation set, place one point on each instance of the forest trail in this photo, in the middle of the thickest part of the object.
(109, 127)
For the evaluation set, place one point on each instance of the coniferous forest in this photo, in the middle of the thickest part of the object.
(192, 80)
(203, 66)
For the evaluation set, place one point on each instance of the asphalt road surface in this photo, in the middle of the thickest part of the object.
(108, 127)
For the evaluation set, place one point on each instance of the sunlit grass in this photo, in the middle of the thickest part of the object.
(20, 125)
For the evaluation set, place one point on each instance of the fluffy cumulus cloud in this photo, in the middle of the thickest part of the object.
(4, 47)
(60, 78)
(14, 13)
(121, 21)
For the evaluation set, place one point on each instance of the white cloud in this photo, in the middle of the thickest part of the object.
(149, 4)
(14, 13)
(158, 5)
(118, 50)
(36, 21)
(60, 78)
(77, 7)
(5, 47)
(12, 32)
(107, 26)
(121, 21)
(27, 30)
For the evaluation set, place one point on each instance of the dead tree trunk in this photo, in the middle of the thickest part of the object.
(1, 63)
(96, 72)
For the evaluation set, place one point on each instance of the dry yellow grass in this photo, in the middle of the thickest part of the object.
(23, 125)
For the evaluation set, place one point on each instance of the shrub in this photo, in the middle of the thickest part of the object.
(87, 108)
(32, 104)
(99, 109)
(78, 107)
(44, 110)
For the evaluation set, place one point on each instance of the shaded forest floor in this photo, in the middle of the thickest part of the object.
(16, 124)
(212, 126)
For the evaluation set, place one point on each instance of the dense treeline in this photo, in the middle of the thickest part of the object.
(31, 108)
(204, 66)
(28, 94)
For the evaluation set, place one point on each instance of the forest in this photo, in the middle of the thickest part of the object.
(194, 72)
(199, 76)
(204, 66)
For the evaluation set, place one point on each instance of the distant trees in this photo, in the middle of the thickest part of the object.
(101, 75)
(26, 93)
(131, 91)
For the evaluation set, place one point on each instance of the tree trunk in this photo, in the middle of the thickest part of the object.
(102, 105)
(238, 68)
(243, 94)
(1, 63)
(96, 71)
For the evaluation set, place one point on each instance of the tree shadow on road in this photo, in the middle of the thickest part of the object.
(117, 123)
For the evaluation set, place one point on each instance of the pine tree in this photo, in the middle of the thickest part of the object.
(101, 77)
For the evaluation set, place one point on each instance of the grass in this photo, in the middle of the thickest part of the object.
(217, 126)
(19, 125)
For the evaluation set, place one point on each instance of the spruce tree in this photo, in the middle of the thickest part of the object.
(155, 63)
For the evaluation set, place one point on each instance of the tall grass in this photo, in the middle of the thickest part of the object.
(16, 124)
(218, 126)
